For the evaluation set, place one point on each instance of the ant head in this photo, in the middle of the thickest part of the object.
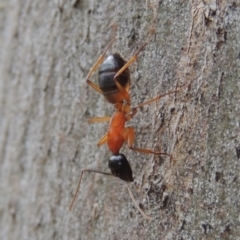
(120, 167)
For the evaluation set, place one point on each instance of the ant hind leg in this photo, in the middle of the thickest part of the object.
(94, 68)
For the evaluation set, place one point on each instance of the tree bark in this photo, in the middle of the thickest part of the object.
(47, 49)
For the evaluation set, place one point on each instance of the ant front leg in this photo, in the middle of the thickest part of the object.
(129, 135)
(95, 66)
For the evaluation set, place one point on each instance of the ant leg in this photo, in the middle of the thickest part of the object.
(142, 150)
(157, 98)
(99, 119)
(95, 66)
(126, 108)
(79, 183)
(102, 140)
(131, 61)
(127, 64)
(137, 205)
(108, 174)
(134, 57)
(129, 135)
(124, 92)
(132, 114)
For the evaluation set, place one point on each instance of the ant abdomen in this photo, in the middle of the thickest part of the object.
(106, 80)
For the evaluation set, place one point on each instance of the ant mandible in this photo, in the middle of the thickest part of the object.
(114, 84)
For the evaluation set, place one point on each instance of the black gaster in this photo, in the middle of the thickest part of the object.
(106, 82)
(120, 167)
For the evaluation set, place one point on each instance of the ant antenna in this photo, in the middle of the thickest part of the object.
(136, 204)
(79, 183)
(109, 174)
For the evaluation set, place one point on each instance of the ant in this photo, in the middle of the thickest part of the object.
(114, 84)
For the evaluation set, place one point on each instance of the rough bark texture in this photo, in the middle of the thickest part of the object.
(47, 49)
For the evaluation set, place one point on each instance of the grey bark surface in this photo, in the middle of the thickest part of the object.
(47, 49)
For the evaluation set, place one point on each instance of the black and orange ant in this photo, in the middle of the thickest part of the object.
(114, 84)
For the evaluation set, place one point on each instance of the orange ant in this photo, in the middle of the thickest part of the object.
(114, 84)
